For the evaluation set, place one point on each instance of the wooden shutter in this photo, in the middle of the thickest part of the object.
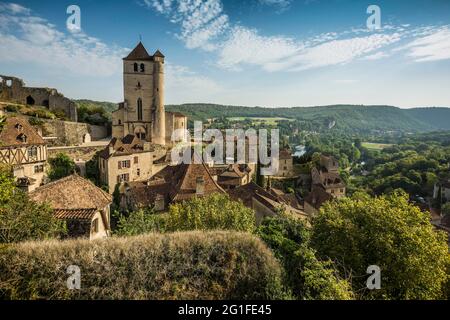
(120, 165)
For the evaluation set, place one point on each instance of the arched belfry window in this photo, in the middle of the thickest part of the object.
(139, 109)
(136, 67)
(142, 67)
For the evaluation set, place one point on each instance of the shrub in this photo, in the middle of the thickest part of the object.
(216, 212)
(140, 222)
(12, 108)
(61, 166)
(307, 277)
(194, 265)
(389, 232)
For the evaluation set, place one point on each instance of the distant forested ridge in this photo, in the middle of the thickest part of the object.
(348, 118)
(342, 117)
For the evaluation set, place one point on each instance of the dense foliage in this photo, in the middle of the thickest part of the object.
(61, 166)
(307, 276)
(22, 219)
(215, 212)
(388, 232)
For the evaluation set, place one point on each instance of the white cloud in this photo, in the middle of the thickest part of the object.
(31, 39)
(279, 53)
(201, 21)
(434, 45)
(376, 56)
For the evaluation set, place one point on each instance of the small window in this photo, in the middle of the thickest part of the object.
(136, 160)
(138, 172)
(123, 178)
(32, 152)
(136, 67)
(95, 225)
(142, 67)
(39, 168)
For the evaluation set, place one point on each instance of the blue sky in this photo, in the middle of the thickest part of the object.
(257, 52)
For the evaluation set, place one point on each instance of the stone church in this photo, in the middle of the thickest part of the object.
(143, 113)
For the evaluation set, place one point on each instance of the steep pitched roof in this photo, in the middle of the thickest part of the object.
(175, 183)
(317, 197)
(285, 154)
(128, 145)
(18, 132)
(72, 192)
(159, 54)
(139, 53)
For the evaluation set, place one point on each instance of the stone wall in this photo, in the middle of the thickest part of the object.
(72, 133)
(14, 90)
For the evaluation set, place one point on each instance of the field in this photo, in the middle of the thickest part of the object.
(268, 121)
(375, 146)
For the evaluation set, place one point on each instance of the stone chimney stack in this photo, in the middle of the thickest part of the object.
(200, 186)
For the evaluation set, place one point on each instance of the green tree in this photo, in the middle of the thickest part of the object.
(140, 222)
(305, 275)
(215, 212)
(389, 232)
(61, 166)
(22, 219)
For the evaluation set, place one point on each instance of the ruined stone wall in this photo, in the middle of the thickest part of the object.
(72, 133)
(14, 90)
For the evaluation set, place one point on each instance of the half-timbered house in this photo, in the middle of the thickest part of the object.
(22, 148)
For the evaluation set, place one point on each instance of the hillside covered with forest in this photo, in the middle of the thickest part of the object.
(343, 117)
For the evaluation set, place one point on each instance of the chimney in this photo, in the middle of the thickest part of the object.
(200, 186)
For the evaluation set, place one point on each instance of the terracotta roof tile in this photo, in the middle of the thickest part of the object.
(76, 214)
(70, 193)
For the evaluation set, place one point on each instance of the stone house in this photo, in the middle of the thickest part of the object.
(331, 182)
(231, 176)
(315, 199)
(286, 164)
(264, 203)
(171, 185)
(84, 206)
(125, 160)
(22, 148)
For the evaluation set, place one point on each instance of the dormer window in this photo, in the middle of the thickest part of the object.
(19, 127)
(22, 138)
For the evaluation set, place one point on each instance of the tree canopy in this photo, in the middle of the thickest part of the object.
(388, 232)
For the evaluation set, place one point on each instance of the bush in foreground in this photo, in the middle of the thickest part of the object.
(194, 265)
(391, 233)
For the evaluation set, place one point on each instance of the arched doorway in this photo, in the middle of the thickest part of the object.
(30, 101)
